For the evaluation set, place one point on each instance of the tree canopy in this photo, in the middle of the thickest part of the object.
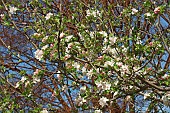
(94, 56)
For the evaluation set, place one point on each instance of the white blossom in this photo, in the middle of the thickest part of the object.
(23, 79)
(17, 84)
(165, 76)
(26, 83)
(83, 89)
(112, 40)
(83, 70)
(68, 38)
(12, 9)
(44, 47)
(64, 88)
(79, 101)
(103, 85)
(44, 110)
(104, 33)
(44, 39)
(166, 99)
(134, 11)
(36, 34)
(103, 101)
(146, 95)
(36, 80)
(76, 65)
(94, 13)
(98, 111)
(38, 54)
(90, 73)
(147, 14)
(47, 17)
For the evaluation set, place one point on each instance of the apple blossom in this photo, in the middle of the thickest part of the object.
(79, 101)
(17, 85)
(23, 79)
(165, 76)
(146, 95)
(44, 47)
(83, 70)
(26, 83)
(98, 111)
(36, 72)
(157, 10)
(166, 99)
(36, 80)
(68, 38)
(62, 35)
(90, 73)
(37, 34)
(112, 40)
(38, 54)
(103, 101)
(44, 110)
(134, 11)
(64, 88)
(92, 13)
(12, 9)
(47, 17)
(44, 39)
(147, 14)
(104, 33)
(82, 89)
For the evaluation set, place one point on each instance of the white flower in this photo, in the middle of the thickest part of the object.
(103, 85)
(70, 45)
(166, 99)
(23, 79)
(104, 33)
(68, 38)
(36, 34)
(98, 111)
(38, 54)
(83, 70)
(59, 75)
(12, 9)
(125, 68)
(165, 76)
(36, 79)
(26, 84)
(64, 88)
(62, 35)
(103, 101)
(147, 14)
(48, 16)
(90, 73)
(44, 110)
(146, 95)
(79, 101)
(115, 94)
(93, 13)
(134, 11)
(44, 47)
(1, 15)
(44, 39)
(17, 85)
(106, 86)
(83, 89)
(99, 84)
(112, 40)
(76, 65)
(108, 63)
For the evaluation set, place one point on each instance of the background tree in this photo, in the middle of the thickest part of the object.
(81, 55)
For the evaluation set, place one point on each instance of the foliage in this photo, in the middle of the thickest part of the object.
(69, 56)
